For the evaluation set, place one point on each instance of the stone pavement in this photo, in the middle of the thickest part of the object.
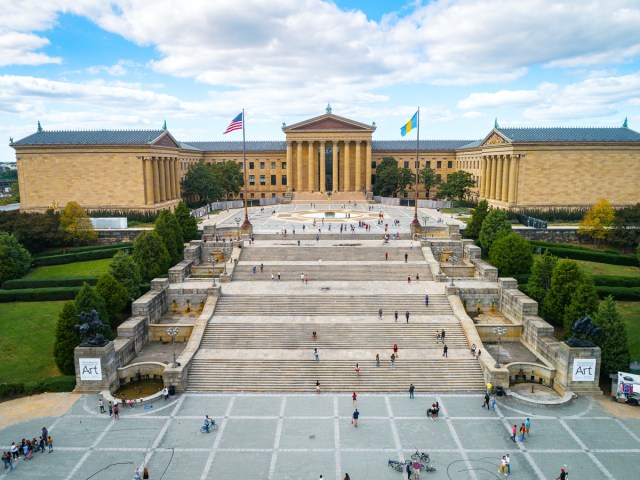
(300, 436)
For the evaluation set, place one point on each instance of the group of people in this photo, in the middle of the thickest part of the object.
(524, 429)
(27, 448)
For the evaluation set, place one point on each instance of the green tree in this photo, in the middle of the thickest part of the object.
(126, 271)
(511, 254)
(428, 177)
(638, 253)
(232, 176)
(477, 217)
(613, 343)
(626, 226)
(584, 301)
(458, 185)
(14, 197)
(35, 231)
(213, 182)
(114, 294)
(14, 258)
(88, 299)
(167, 226)
(540, 278)
(188, 223)
(76, 226)
(597, 221)
(66, 339)
(565, 280)
(390, 179)
(150, 255)
(495, 225)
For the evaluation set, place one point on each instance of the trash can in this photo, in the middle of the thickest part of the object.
(499, 391)
(172, 390)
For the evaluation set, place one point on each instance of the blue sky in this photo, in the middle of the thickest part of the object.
(121, 64)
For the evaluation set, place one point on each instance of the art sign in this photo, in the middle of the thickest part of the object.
(90, 369)
(584, 369)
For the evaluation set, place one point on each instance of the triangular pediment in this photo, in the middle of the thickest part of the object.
(495, 137)
(328, 122)
(165, 139)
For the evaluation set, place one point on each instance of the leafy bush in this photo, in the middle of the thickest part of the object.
(76, 257)
(616, 281)
(90, 248)
(20, 283)
(593, 256)
(135, 215)
(65, 383)
(38, 294)
(552, 214)
(619, 293)
(14, 258)
(540, 243)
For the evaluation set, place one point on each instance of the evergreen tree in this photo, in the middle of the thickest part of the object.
(150, 254)
(167, 226)
(14, 258)
(66, 339)
(583, 301)
(613, 342)
(188, 223)
(511, 255)
(477, 217)
(114, 294)
(87, 299)
(125, 270)
(565, 280)
(494, 226)
(76, 226)
(540, 278)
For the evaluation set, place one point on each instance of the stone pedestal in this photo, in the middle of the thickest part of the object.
(96, 368)
(225, 278)
(416, 228)
(246, 230)
(570, 358)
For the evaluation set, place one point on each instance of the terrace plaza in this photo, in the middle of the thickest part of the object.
(245, 357)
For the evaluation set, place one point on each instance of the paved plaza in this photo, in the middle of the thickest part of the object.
(303, 436)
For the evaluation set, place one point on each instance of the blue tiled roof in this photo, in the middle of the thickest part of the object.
(410, 145)
(472, 144)
(569, 134)
(187, 146)
(90, 137)
(236, 146)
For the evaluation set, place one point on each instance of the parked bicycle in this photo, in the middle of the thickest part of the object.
(398, 466)
(420, 456)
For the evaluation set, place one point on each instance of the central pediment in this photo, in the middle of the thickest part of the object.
(328, 122)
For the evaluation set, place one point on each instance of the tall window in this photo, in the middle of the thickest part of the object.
(429, 163)
(251, 165)
(263, 180)
(439, 164)
(252, 179)
(273, 179)
(449, 164)
(406, 164)
(261, 165)
(284, 165)
(284, 180)
(273, 165)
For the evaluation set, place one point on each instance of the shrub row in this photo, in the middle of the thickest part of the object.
(76, 257)
(540, 243)
(616, 281)
(593, 256)
(64, 383)
(39, 294)
(91, 248)
(135, 215)
(620, 293)
(20, 283)
(551, 214)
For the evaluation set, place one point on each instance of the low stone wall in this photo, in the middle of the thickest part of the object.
(180, 272)
(143, 370)
(125, 350)
(512, 332)
(514, 304)
(135, 328)
(439, 246)
(555, 235)
(113, 236)
(158, 332)
(154, 303)
(485, 271)
(531, 372)
(458, 271)
(487, 298)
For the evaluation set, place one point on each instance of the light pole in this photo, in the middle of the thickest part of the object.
(173, 331)
(237, 220)
(499, 331)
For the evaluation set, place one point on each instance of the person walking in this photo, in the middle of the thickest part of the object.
(354, 399)
(357, 370)
(426, 300)
(508, 463)
(393, 361)
(316, 354)
(514, 432)
(418, 277)
(101, 405)
(165, 393)
(486, 401)
(314, 336)
(406, 257)
(493, 403)
(261, 267)
(522, 431)
(272, 276)
(347, 477)
(563, 474)
(411, 390)
(110, 409)
(145, 473)
(377, 360)
(409, 471)
(254, 269)
(503, 465)
(50, 443)
(527, 425)
(395, 315)
(356, 415)
(278, 275)
(442, 334)
(395, 349)
(407, 315)
(386, 255)
(408, 278)
(317, 386)
(116, 411)
(444, 351)
(380, 314)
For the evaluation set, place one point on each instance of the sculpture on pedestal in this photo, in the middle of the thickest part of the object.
(584, 330)
(91, 329)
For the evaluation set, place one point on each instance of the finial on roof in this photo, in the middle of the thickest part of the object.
(149, 139)
(373, 124)
(164, 127)
(495, 124)
(626, 123)
(329, 110)
(39, 126)
(10, 140)
(284, 125)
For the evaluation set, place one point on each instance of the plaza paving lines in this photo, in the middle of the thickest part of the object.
(298, 436)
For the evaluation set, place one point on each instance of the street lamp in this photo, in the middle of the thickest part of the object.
(173, 331)
(499, 331)
(237, 220)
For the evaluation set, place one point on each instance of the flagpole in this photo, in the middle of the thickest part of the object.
(246, 222)
(415, 187)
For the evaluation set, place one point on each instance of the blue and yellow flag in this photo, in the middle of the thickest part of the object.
(410, 125)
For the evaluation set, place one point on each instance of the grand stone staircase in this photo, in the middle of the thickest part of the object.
(363, 271)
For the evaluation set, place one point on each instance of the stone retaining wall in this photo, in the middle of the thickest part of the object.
(113, 236)
(154, 303)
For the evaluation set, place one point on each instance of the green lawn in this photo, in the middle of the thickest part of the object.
(630, 312)
(26, 343)
(593, 268)
(92, 268)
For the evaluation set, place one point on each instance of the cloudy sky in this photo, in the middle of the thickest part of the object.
(120, 64)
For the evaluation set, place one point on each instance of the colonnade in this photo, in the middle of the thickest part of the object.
(161, 179)
(347, 168)
(500, 177)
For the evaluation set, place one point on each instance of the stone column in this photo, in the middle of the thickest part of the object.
(311, 162)
(347, 167)
(483, 180)
(358, 166)
(513, 178)
(167, 179)
(367, 168)
(299, 165)
(505, 178)
(156, 179)
(323, 168)
(289, 167)
(335, 167)
(500, 159)
(492, 177)
(176, 169)
(148, 181)
(171, 191)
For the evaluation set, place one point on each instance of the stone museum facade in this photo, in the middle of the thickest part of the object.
(512, 167)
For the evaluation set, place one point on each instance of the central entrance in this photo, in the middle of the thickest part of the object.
(326, 183)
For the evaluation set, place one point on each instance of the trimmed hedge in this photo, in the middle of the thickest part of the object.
(65, 251)
(76, 257)
(616, 281)
(592, 256)
(64, 383)
(20, 283)
(540, 243)
(39, 294)
(619, 293)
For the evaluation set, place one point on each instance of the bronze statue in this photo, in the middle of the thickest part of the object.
(584, 330)
(91, 329)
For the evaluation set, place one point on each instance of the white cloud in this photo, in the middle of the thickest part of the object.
(116, 70)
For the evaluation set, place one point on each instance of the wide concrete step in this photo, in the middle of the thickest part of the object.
(446, 375)
(343, 252)
(330, 336)
(345, 272)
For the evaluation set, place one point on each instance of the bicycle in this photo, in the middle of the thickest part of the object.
(212, 426)
(421, 456)
(397, 466)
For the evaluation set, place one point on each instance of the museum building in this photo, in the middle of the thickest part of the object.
(329, 154)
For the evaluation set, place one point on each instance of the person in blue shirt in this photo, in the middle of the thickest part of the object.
(356, 414)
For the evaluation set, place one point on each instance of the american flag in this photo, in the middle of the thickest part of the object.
(236, 124)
